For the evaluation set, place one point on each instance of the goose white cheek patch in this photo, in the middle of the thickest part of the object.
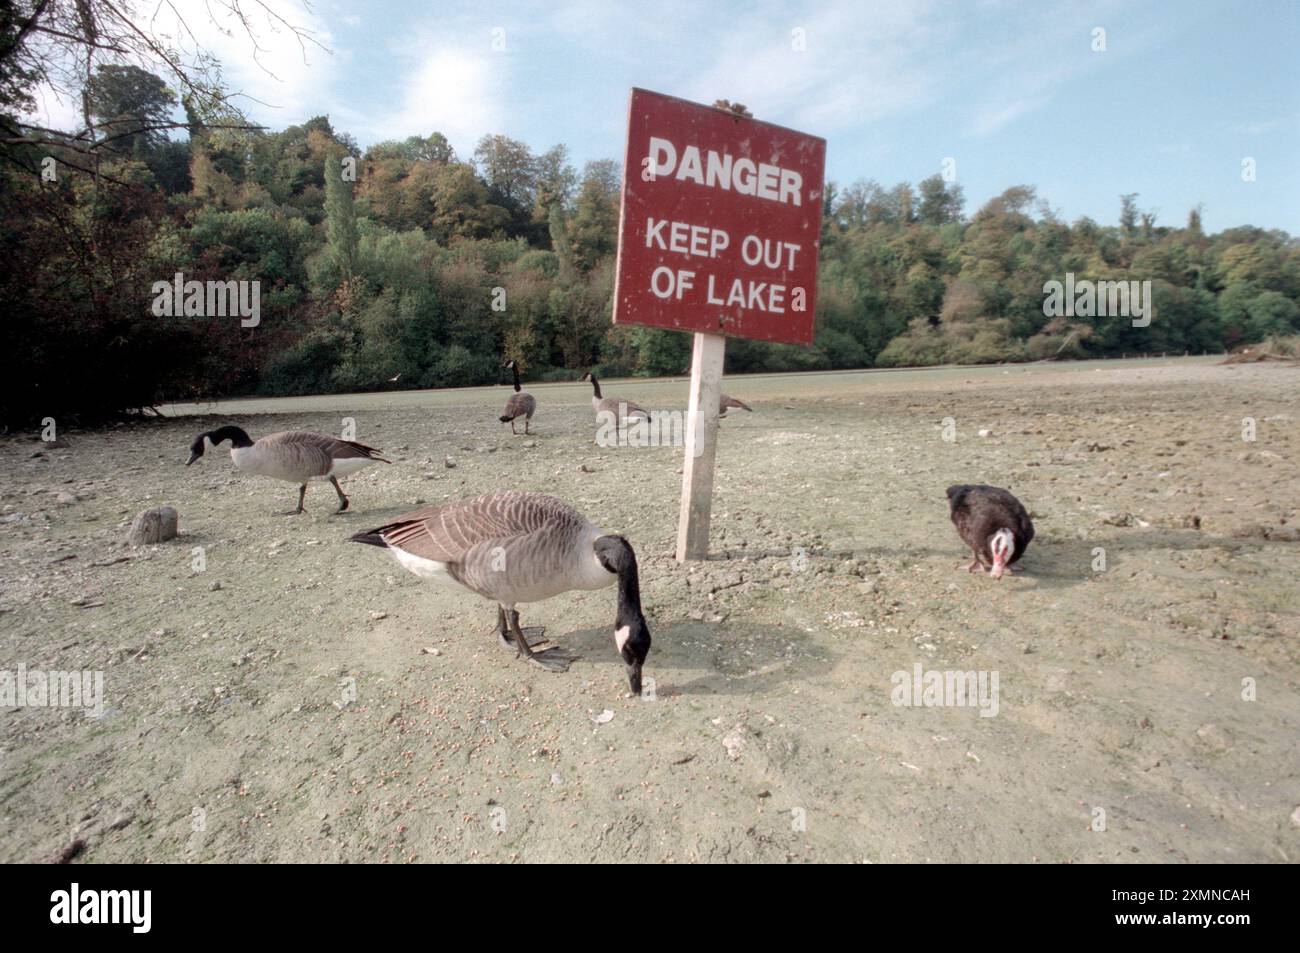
(621, 636)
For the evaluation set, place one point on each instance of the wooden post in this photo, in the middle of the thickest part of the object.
(701, 447)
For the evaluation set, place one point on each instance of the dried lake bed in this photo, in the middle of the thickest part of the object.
(273, 693)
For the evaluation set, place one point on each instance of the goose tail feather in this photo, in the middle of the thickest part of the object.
(370, 452)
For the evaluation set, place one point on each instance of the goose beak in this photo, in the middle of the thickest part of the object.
(634, 677)
(193, 456)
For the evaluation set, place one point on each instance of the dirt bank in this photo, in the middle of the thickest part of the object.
(303, 699)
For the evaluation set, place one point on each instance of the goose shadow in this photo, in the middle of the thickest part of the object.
(1182, 540)
(196, 537)
(892, 553)
(1061, 563)
(356, 519)
(1055, 562)
(731, 658)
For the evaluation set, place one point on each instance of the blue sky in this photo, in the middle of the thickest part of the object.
(1013, 91)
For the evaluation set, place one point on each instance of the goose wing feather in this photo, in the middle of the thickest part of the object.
(317, 449)
(520, 404)
(979, 511)
(630, 408)
(499, 545)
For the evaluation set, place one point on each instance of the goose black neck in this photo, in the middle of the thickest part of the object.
(236, 436)
(629, 592)
(595, 385)
(515, 368)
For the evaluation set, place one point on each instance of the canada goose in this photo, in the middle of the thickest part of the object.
(993, 523)
(619, 408)
(520, 404)
(294, 455)
(726, 402)
(514, 547)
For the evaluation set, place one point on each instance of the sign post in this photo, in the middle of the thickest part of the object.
(701, 446)
(718, 235)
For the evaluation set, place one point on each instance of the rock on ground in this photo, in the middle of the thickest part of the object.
(156, 525)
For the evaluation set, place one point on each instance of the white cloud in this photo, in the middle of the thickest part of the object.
(1024, 71)
(56, 112)
(450, 90)
(993, 117)
(1262, 126)
(859, 65)
(285, 79)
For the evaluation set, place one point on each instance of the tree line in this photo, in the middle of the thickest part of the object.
(405, 265)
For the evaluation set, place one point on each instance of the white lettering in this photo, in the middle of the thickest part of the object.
(721, 170)
(690, 167)
(663, 156)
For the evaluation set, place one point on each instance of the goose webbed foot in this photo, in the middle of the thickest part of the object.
(975, 566)
(506, 625)
(533, 634)
(552, 660)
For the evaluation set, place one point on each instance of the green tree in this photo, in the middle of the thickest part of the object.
(941, 204)
(341, 218)
(1128, 214)
(129, 104)
(593, 233)
(1272, 313)
(556, 181)
(507, 166)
